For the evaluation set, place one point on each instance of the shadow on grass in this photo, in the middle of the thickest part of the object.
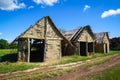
(9, 57)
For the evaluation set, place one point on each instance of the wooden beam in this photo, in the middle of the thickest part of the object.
(93, 47)
(60, 51)
(45, 31)
(19, 53)
(86, 45)
(79, 48)
(28, 59)
(86, 48)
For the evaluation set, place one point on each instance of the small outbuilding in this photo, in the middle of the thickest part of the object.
(102, 43)
(40, 42)
(82, 40)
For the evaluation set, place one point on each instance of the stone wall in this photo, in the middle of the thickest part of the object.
(36, 31)
(53, 49)
(85, 37)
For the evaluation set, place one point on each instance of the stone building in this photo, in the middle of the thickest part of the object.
(44, 42)
(102, 42)
(40, 42)
(82, 39)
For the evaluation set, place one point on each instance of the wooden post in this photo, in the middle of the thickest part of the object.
(104, 50)
(28, 59)
(19, 53)
(45, 31)
(86, 48)
(93, 47)
(60, 51)
(108, 47)
(79, 48)
(86, 45)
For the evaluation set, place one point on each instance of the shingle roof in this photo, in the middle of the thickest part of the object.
(99, 36)
(73, 35)
(51, 22)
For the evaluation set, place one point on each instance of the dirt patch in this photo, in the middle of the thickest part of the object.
(82, 71)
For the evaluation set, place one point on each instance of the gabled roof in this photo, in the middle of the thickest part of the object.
(73, 35)
(53, 26)
(69, 34)
(25, 31)
(100, 36)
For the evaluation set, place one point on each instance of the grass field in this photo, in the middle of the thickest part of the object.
(9, 55)
(8, 60)
(109, 74)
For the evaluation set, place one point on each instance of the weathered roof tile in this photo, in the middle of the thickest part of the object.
(99, 36)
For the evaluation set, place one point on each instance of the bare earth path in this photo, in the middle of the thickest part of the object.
(81, 71)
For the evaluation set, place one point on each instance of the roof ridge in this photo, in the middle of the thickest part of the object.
(75, 33)
(78, 31)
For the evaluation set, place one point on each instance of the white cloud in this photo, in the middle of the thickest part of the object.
(46, 2)
(30, 7)
(110, 12)
(0, 33)
(86, 7)
(11, 5)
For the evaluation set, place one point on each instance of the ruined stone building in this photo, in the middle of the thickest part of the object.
(82, 40)
(40, 42)
(44, 42)
(102, 42)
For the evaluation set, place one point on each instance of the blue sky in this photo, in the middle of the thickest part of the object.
(17, 15)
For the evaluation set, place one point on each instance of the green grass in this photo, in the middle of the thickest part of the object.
(11, 67)
(109, 74)
(76, 58)
(7, 51)
(96, 63)
(40, 75)
(53, 73)
(8, 56)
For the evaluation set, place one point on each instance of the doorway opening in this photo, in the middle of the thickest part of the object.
(83, 49)
(90, 47)
(106, 49)
(37, 50)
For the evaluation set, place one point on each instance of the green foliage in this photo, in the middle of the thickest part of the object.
(13, 46)
(109, 74)
(115, 43)
(4, 44)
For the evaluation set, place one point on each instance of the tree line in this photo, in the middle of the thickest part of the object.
(4, 44)
(115, 43)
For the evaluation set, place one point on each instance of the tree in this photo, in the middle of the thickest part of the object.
(4, 44)
(13, 46)
(115, 43)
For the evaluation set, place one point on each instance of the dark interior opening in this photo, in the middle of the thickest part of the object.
(90, 47)
(106, 48)
(83, 49)
(37, 50)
